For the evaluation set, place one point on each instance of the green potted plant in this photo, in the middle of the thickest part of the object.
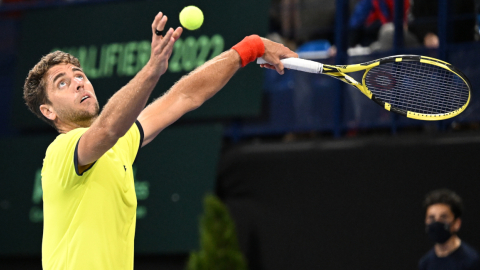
(219, 247)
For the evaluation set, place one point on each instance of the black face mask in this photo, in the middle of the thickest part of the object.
(438, 232)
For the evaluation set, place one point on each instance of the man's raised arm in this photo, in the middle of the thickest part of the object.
(123, 108)
(201, 84)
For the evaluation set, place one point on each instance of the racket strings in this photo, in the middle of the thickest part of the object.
(422, 96)
(418, 87)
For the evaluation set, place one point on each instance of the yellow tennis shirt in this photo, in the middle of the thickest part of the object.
(89, 217)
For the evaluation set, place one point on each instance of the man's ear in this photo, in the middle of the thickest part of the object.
(457, 224)
(48, 111)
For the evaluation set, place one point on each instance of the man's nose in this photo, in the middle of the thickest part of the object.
(80, 84)
(439, 219)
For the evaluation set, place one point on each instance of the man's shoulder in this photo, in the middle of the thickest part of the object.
(469, 249)
(59, 157)
(469, 255)
(465, 254)
(68, 136)
(64, 140)
(429, 256)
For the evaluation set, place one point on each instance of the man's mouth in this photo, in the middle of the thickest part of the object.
(84, 98)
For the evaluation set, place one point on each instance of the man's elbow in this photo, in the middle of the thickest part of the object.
(196, 104)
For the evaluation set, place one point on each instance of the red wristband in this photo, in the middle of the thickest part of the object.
(249, 49)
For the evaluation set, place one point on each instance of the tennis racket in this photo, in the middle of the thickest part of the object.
(417, 87)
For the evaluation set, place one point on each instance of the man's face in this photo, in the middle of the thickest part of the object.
(71, 95)
(442, 213)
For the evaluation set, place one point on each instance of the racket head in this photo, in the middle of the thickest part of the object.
(417, 87)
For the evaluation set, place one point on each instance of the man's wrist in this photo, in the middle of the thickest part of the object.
(151, 72)
(249, 49)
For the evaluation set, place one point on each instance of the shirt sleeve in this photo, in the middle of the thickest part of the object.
(132, 140)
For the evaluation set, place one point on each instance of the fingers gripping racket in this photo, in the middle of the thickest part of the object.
(417, 87)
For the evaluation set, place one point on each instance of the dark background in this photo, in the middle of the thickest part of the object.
(350, 204)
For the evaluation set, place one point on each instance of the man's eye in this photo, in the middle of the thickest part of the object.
(62, 84)
(80, 77)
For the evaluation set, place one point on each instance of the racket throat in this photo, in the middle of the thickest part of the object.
(343, 77)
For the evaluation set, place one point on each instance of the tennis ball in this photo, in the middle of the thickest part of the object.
(191, 17)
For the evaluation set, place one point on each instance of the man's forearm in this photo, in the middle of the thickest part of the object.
(207, 80)
(188, 93)
(123, 107)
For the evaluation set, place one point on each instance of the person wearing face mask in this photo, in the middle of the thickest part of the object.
(443, 211)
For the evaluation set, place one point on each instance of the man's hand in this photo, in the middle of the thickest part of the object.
(273, 53)
(162, 46)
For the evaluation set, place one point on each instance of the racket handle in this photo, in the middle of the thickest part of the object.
(298, 64)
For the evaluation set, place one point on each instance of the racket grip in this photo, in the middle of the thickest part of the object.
(298, 64)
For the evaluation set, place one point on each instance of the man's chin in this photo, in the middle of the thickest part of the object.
(84, 118)
(87, 118)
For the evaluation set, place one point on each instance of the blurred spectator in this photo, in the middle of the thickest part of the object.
(443, 211)
(290, 12)
(386, 37)
(300, 21)
(368, 17)
(281, 28)
(423, 21)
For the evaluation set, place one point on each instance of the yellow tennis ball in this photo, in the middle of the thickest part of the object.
(191, 17)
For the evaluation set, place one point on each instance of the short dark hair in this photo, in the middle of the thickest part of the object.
(447, 197)
(34, 91)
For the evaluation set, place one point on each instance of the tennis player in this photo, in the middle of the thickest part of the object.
(87, 180)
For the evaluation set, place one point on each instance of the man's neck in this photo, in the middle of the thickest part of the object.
(64, 128)
(445, 249)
